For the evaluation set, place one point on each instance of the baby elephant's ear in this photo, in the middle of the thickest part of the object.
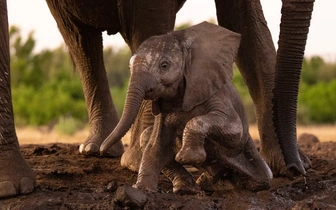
(211, 53)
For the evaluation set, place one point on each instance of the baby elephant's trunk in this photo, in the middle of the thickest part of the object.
(135, 95)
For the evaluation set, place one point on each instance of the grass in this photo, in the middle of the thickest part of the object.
(44, 135)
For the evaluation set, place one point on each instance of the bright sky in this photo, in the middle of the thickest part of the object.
(34, 15)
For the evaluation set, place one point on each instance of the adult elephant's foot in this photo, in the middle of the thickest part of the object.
(16, 176)
(92, 145)
(275, 161)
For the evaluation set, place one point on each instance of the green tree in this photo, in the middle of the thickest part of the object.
(24, 64)
(317, 103)
(327, 73)
(242, 89)
(45, 86)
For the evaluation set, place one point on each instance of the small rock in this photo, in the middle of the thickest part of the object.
(302, 205)
(128, 196)
(100, 190)
(312, 204)
(111, 186)
(176, 206)
(265, 195)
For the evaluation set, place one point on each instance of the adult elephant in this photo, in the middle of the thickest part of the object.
(81, 24)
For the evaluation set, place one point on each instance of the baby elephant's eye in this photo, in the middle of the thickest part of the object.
(164, 65)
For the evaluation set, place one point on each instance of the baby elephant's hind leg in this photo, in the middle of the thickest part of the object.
(259, 175)
(250, 170)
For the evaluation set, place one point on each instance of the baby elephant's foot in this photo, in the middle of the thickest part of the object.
(145, 187)
(191, 155)
(186, 188)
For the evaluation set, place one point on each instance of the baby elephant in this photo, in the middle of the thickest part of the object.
(185, 79)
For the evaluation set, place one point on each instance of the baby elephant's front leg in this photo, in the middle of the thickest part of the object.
(157, 153)
(226, 129)
(192, 150)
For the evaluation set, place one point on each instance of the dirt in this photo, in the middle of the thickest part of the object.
(68, 180)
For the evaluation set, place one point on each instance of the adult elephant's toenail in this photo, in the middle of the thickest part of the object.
(26, 185)
(91, 148)
(7, 188)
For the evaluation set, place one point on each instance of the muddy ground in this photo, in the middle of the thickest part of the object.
(67, 180)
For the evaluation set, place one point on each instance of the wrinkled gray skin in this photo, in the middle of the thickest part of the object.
(81, 24)
(15, 174)
(187, 77)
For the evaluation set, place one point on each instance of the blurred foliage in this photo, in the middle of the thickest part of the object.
(67, 125)
(47, 89)
(116, 64)
(244, 94)
(317, 92)
(317, 103)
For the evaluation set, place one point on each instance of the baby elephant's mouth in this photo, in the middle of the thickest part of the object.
(156, 107)
(150, 95)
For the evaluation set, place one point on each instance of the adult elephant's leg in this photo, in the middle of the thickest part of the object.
(256, 61)
(85, 45)
(143, 19)
(16, 176)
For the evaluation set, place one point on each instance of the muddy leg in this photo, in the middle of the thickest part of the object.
(192, 150)
(248, 167)
(158, 153)
(16, 176)
(226, 128)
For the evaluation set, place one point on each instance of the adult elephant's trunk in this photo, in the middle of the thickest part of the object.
(295, 21)
(137, 88)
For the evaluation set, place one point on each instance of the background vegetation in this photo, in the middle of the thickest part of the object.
(47, 90)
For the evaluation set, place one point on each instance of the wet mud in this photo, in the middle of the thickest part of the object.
(68, 180)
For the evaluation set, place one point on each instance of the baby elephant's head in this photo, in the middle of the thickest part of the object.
(190, 65)
(158, 66)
